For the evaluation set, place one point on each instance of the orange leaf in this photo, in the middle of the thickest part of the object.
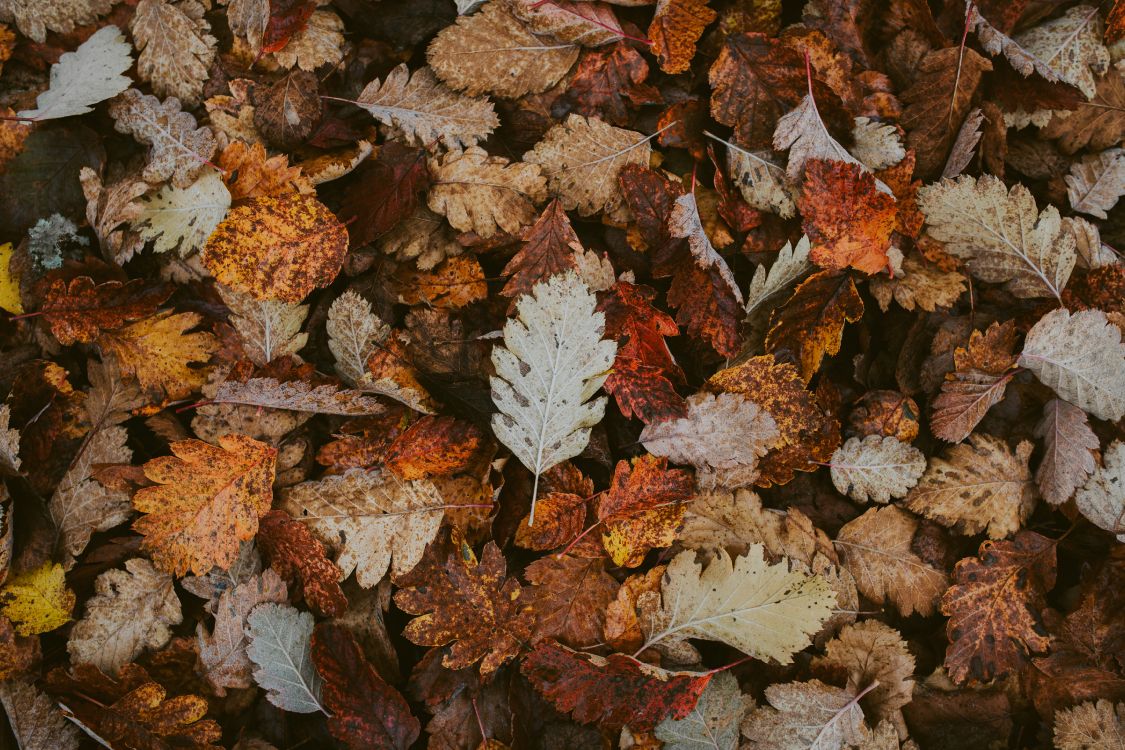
(158, 353)
(435, 447)
(643, 508)
(78, 310)
(559, 517)
(548, 249)
(676, 29)
(299, 558)
(249, 173)
(848, 220)
(810, 324)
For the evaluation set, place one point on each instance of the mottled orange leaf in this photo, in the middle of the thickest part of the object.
(79, 309)
(250, 173)
(848, 220)
(435, 447)
(559, 518)
(455, 282)
(675, 30)
(810, 325)
(643, 508)
(159, 354)
(978, 381)
(299, 558)
(622, 628)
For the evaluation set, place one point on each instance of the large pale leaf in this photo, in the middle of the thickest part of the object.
(176, 47)
(1069, 447)
(182, 219)
(485, 194)
(1102, 499)
(804, 133)
(81, 79)
(1070, 46)
(876, 468)
(806, 716)
(553, 360)
(279, 647)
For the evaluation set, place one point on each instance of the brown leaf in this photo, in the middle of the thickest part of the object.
(559, 517)
(810, 325)
(1096, 124)
(286, 112)
(299, 558)
(178, 147)
(980, 377)
(568, 598)
(435, 447)
(848, 220)
(1069, 449)
(549, 248)
(79, 310)
(675, 30)
(386, 190)
(610, 83)
(222, 652)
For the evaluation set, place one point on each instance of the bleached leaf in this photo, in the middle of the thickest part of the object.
(320, 42)
(485, 194)
(182, 219)
(917, 286)
(1000, 234)
(1080, 357)
(587, 23)
(1069, 446)
(176, 47)
(965, 145)
(873, 652)
(805, 716)
(553, 360)
(35, 719)
(222, 652)
(420, 109)
(1096, 182)
(1092, 252)
(996, 42)
(1070, 46)
(1102, 499)
(131, 610)
(876, 468)
(763, 610)
(296, 395)
(279, 647)
(178, 147)
(714, 722)
(805, 135)
(723, 436)
(354, 332)
(791, 263)
(372, 521)
(269, 329)
(9, 443)
(876, 145)
(35, 17)
(81, 79)
(423, 237)
(763, 184)
(1090, 726)
(685, 222)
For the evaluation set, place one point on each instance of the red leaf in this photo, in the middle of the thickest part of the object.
(609, 84)
(705, 305)
(548, 249)
(385, 192)
(287, 17)
(298, 557)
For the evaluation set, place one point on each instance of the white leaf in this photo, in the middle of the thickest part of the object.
(1071, 47)
(1102, 500)
(354, 331)
(792, 263)
(877, 145)
(182, 219)
(279, 647)
(806, 716)
(268, 328)
(553, 360)
(81, 79)
(876, 468)
(1096, 182)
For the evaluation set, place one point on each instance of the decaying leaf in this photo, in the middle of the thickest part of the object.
(806, 715)
(176, 47)
(222, 652)
(485, 194)
(178, 148)
(1101, 499)
(1069, 446)
(876, 468)
(714, 722)
(847, 220)
(279, 647)
(810, 324)
(1096, 182)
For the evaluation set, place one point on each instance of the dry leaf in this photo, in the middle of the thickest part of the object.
(485, 194)
(222, 652)
(1096, 182)
(806, 715)
(1090, 725)
(1101, 499)
(176, 47)
(182, 219)
(178, 148)
(268, 329)
(872, 652)
(1069, 449)
(85, 77)
(35, 17)
(158, 353)
(876, 468)
(279, 647)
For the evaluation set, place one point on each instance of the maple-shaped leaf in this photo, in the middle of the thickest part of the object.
(178, 148)
(434, 447)
(876, 468)
(1080, 357)
(675, 30)
(365, 711)
(131, 710)
(722, 436)
(937, 102)
(643, 508)
(206, 499)
(420, 109)
(35, 17)
(372, 521)
(158, 353)
(763, 610)
(1000, 234)
(279, 647)
(980, 376)
(182, 219)
(877, 549)
(873, 652)
(176, 47)
(1098, 123)
(582, 157)
(78, 310)
(268, 329)
(571, 21)
(918, 285)
(299, 558)
(810, 325)
(485, 194)
(1101, 499)
(684, 221)
(1069, 449)
(85, 77)
(1090, 725)
(994, 607)
(847, 219)
(277, 248)
(806, 715)
(222, 652)
(37, 600)
(387, 189)
(35, 719)
(286, 112)
(250, 173)
(549, 248)
(609, 84)
(568, 598)
(713, 723)
(495, 52)
(553, 360)
(466, 603)
(611, 691)
(296, 395)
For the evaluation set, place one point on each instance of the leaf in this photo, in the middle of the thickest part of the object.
(1095, 183)
(365, 711)
(1069, 448)
(157, 352)
(876, 468)
(495, 52)
(35, 17)
(998, 234)
(1079, 356)
(980, 377)
(877, 550)
(994, 607)
(792, 263)
(549, 248)
(642, 509)
(80, 505)
(420, 109)
(131, 611)
(182, 219)
(810, 325)
(250, 174)
(369, 520)
(423, 237)
(873, 653)
(485, 194)
(9, 443)
(763, 184)
(964, 147)
(806, 715)
(79, 310)
(553, 359)
(354, 333)
(176, 48)
(706, 305)
(296, 395)
(847, 220)
(575, 22)
(37, 600)
(876, 146)
(35, 719)
(568, 598)
(1101, 499)
(9, 282)
(388, 190)
(611, 691)
(108, 209)
(1070, 46)
(85, 77)
(319, 42)
(267, 329)
(676, 27)
(609, 83)
(279, 647)
(918, 286)
(1096, 124)
(713, 723)
(178, 149)
(684, 222)
(1090, 725)
(222, 652)
(805, 134)
(286, 112)
(299, 558)
(205, 500)
(466, 603)
(581, 159)
(277, 248)
(722, 436)
(435, 447)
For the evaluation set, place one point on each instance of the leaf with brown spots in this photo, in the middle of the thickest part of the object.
(205, 500)
(995, 607)
(707, 306)
(610, 83)
(78, 310)
(643, 508)
(249, 173)
(675, 30)
(810, 325)
(158, 353)
(847, 218)
(981, 374)
(435, 447)
(568, 598)
(286, 112)
(299, 558)
(549, 247)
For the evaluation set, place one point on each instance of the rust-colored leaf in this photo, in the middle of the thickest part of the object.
(810, 325)
(299, 558)
(80, 309)
(848, 220)
(435, 447)
(643, 508)
(548, 248)
(675, 30)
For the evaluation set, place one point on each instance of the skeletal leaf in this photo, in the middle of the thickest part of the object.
(485, 194)
(553, 360)
(222, 652)
(1088, 726)
(81, 79)
(35, 719)
(792, 263)
(806, 716)
(296, 395)
(176, 47)
(268, 329)
(1102, 499)
(714, 722)
(876, 468)
(178, 148)
(279, 647)
(1069, 446)
(354, 332)
(1070, 47)
(1095, 183)
(182, 219)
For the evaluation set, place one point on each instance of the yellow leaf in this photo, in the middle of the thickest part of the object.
(37, 601)
(9, 284)
(157, 351)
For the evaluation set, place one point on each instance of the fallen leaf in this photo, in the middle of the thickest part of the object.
(876, 468)
(279, 647)
(222, 652)
(178, 148)
(176, 47)
(85, 77)
(1069, 448)
(714, 722)
(806, 715)
(810, 325)
(299, 558)
(37, 600)
(35, 720)
(1101, 499)
(568, 599)
(79, 310)
(158, 352)
(485, 194)
(980, 377)
(642, 509)
(847, 220)
(676, 27)
(1095, 183)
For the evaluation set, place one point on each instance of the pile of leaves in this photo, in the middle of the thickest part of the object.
(562, 374)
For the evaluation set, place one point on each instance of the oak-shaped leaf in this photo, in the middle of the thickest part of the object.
(279, 647)
(78, 310)
(981, 372)
(158, 352)
(1102, 499)
(204, 501)
(485, 194)
(251, 173)
(876, 468)
(643, 508)
(810, 325)
(995, 607)
(299, 558)
(222, 652)
(675, 29)
(612, 691)
(802, 715)
(178, 147)
(846, 218)
(88, 75)
(1069, 449)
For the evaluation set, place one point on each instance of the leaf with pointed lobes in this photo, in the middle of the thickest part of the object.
(78, 310)
(366, 712)
(981, 374)
(676, 28)
(435, 447)
(549, 247)
(614, 691)
(559, 518)
(643, 508)
(286, 19)
(385, 190)
(300, 559)
(847, 218)
(610, 84)
(810, 325)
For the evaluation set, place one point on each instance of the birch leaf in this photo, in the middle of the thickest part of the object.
(182, 219)
(176, 47)
(354, 332)
(685, 222)
(178, 148)
(1102, 499)
(269, 329)
(81, 79)
(1096, 182)
(553, 360)
(792, 263)
(279, 647)
(876, 468)
(1069, 447)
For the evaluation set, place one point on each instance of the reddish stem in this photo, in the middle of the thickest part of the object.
(26, 315)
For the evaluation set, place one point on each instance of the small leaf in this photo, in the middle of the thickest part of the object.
(38, 600)
(876, 468)
(279, 647)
